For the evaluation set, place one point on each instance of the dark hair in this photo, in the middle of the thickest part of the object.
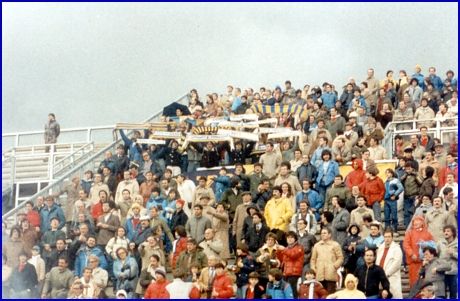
(326, 151)
(371, 250)
(452, 228)
(15, 228)
(303, 220)
(413, 79)
(367, 218)
(341, 203)
(390, 171)
(277, 188)
(364, 84)
(65, 258)
(447, 190)
(291, 234)
(199, 206)
(329, 216)
(326, 228)
(305, 201)
(310, 271)
(258, 214)
(429, 171)
(23, 253)
(431, 250)
(179, 273)
(286, 164)
(181, 231)
(90, 236)
(338, 176)
(155, 256)
(156, 189)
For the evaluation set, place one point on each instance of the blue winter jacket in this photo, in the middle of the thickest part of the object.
(329, 100)
(361, 101)
(130, 230)
(437, 82)
(46, 215)
(331, 172)
(313, 198)
(280, 290)
(83, 260)
(134, 149)
(394, 187)
(155, 202)
(222, 184)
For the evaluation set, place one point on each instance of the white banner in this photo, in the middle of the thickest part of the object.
(254, 117)
(151, 141)
(214, 120)
(162, 134)
(240, 135)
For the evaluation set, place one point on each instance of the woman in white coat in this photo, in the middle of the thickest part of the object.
(389, 257)
(186, 189)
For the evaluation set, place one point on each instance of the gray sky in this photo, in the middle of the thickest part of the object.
(102, 63)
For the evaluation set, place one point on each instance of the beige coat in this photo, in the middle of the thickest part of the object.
(238, 221)
(378, 153)
(436, 220)
(326, 259)
(94, 192)
(220, 224)
(271, 163)
(392, 267)
(214, 247)
(199, 191)
(426, 114)
(291, 180)
(131, 185)
(357, 217)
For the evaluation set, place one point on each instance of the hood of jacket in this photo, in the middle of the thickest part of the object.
(357, 227)
(351, 277)
(360, 164)
(253, 206)
(420, 219)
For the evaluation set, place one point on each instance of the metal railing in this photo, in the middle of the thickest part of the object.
(62, 165)
(85, 134)
(411, 127)
(87, 164)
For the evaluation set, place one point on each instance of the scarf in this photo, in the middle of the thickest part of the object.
(452, 165)
(312, 287)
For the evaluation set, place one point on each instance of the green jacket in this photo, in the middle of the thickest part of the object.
(411, 184)
(231, 201)
(58, 281)
(198, 257)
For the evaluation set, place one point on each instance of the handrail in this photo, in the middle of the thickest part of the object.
(391, 130)
(74, 152)
(68, 174)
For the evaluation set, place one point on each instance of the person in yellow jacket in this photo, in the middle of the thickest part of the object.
(350, 291)
(278, 213)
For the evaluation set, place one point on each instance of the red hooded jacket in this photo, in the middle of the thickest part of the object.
(412, 239)
(357, 176)
(373, 189)
(293, 260)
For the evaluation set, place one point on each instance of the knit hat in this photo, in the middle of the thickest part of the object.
(181, 201)
(246, 192)
(36, 248)
(161, 271)
(55, 217)
(418, 67)
(408, 149)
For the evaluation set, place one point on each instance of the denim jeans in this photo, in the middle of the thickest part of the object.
(408, 210)
(377, 211)
(390, 209)
(450, 282)
(193, 166)
(322, 191)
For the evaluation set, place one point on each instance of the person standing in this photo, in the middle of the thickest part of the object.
(447, 249)
(371, 277)
(389, 258)
(326, 259)
(52, 131)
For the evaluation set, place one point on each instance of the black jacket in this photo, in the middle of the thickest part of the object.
(178, 218)
(24, 280)
(256, 240)
(369, 279)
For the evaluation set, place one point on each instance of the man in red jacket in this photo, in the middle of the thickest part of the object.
(222, 287)
(374, 190)
(157, 290)
(451, 167)
(357, 176)
(293, 261)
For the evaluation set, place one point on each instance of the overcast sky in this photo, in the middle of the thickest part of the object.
(102, 63)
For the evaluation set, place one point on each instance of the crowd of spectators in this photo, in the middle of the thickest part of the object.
(139, 216)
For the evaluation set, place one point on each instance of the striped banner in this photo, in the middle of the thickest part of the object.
(254, 117)
(291, 108)
(288, 134)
